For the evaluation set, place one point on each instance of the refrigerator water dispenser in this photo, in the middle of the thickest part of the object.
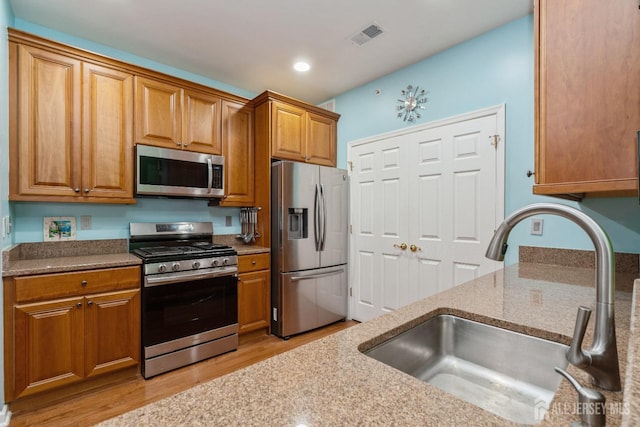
(298, 220)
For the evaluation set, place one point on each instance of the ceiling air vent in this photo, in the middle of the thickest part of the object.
(363, 36)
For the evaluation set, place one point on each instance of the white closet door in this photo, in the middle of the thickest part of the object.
(438, 187)
(379, 198)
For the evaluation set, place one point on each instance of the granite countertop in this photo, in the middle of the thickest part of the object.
(330, 382)
(55, 257)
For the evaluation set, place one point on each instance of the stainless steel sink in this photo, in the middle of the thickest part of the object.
(507, 373)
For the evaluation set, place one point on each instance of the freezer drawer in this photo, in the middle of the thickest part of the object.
(309, 299)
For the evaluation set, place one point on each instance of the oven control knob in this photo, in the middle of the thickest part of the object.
(225, 261)
(162, 268)
(175, 266)
(195, 265)
(215, 263)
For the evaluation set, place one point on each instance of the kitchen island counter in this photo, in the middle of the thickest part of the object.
(330, 382)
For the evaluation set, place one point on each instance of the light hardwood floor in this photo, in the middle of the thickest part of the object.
(130, 393)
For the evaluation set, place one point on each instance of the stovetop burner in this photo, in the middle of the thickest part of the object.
(175, 241)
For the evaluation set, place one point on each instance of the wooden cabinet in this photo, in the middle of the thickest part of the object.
(254, 292)
(299, 131)
(587, 97)
(70, 128)
(238, 149)
(170, 116)
(63, 328)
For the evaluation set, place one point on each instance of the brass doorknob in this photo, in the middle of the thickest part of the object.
(415, 248)
(402, 246)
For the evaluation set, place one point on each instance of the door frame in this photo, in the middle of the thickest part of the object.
(497, 110)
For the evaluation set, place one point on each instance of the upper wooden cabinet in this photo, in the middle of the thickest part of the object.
(299, 131)
(73, 124)
(71, 128)
(170, 116)
(587, 97)
(238, 149)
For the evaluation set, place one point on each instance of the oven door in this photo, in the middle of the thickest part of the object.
(185, 313)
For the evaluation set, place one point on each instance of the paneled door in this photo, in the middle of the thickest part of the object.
(425, 202)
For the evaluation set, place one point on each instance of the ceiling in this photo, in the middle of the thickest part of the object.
(252, 44)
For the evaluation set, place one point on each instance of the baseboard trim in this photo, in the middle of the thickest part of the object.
(5, 416)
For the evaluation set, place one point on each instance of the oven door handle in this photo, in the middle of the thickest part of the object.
(170, 278)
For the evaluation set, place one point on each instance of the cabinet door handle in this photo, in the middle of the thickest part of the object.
(77, 190)
(89, 302)
(415, 248)
(79, 305)
(86, 190)
(402, 246)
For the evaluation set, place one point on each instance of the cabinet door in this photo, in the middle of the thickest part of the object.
(321, 140)
(588, 83)
(158, 117)
(48, 161)
(238, 150)
(288, 132)
(112, 324)
(48, 345)
(107, 132)
(201, 125)
(253, 301)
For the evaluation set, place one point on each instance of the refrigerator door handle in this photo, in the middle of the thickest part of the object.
(319, 275)
(316, 218)
(323, 220)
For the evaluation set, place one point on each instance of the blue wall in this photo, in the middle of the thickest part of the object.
(112, 221)
(494, 68)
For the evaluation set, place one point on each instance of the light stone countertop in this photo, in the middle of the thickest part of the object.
(329, 382)
(57, 257)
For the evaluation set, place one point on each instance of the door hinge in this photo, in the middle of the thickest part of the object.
(350, 292)
(350, 165)
(350, 228)
(496, 139)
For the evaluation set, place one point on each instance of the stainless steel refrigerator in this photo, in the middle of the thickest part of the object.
(309, 223)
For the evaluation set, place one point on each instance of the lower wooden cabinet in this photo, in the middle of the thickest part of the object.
(52, 342)
(254, 290)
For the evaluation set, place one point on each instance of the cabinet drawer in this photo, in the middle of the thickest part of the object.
(254, 262)
(59, 285)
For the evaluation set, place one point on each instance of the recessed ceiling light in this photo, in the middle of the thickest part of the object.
(301, 66)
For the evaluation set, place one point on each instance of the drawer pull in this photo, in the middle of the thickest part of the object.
(253, 262)
(79, 305)
(83, 283)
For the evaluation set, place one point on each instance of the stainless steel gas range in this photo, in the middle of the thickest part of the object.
(189, 294)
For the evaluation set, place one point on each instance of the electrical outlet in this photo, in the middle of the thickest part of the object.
(536, 226)
(85, 222)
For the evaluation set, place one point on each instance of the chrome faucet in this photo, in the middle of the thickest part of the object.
(601, 359)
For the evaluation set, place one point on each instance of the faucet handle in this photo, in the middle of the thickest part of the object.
(575, 354)
(592, 402)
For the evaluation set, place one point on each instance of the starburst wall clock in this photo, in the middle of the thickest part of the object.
(413, 99)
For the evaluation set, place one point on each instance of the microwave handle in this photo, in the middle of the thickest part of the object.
(210, 171)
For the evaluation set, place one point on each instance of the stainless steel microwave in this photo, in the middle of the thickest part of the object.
(165, 172)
